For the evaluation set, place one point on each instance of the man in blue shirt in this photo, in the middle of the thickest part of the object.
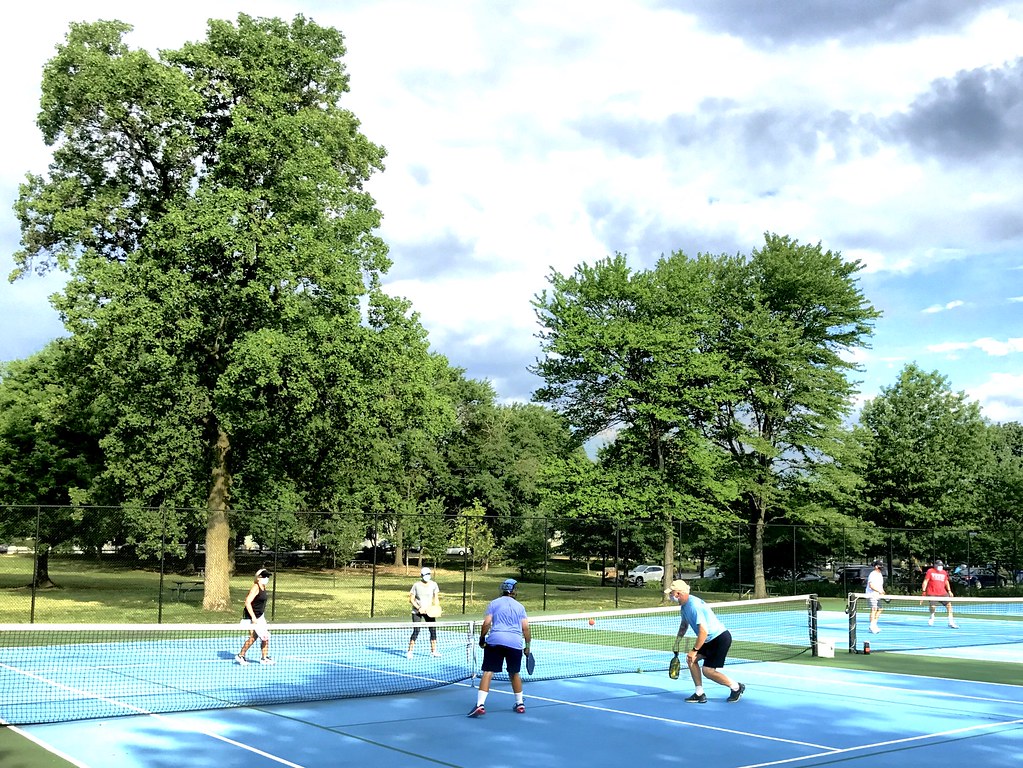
(711, 646)
(504, 637)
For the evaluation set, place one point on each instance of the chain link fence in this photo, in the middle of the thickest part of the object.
(73, 564)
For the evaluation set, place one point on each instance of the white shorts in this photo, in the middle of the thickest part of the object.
(259, 627)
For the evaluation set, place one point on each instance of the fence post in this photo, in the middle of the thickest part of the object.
(163, 555)
(35, 569)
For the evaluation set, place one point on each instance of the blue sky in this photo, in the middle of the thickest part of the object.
(528, 136)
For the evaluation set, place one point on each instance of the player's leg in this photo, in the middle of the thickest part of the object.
(264, 650)
(416, 618)
(715, 653)
(493, 661)
(698, 697)
(516, 684)
(431, 623)
(951, 621)
(240, 658)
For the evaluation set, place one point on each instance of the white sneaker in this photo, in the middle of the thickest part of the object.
(953, 625)
(930, 622)
(267, 660)
(435, 655)
(408, 654)
(874, 629)
(241, 660)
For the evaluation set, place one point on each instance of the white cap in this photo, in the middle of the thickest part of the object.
(424, 571)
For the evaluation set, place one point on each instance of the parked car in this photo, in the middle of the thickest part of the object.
(810, 576)
(458, 551)
(978, 578)
(3, 549)
(856, 575)
(645, 574)
(712, 573)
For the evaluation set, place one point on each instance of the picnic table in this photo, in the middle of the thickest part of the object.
(184, 587)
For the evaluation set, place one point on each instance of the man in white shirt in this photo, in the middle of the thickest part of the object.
(875, 591)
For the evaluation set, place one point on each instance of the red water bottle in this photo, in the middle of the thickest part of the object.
(866, 648)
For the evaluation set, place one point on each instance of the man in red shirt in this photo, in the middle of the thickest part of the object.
(936, 584)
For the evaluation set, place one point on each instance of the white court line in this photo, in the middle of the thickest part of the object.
(140, 711)
(685, 723)
(31, 737)
(888, 687)
(876, 745)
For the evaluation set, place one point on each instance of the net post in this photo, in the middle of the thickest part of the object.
(813, 606)
(850, 608)
(470, 650)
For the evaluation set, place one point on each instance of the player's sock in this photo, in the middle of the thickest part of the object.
(481, 698)
(699, 690)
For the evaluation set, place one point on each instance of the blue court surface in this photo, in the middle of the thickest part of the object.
(791, 715)
(188, 703)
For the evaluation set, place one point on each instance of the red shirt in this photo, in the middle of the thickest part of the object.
(936, 582)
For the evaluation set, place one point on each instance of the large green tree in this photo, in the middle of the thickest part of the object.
(727, 374)
(925, 450)
(210, 208)
(791, 315)
(624, 354)
(49, 453)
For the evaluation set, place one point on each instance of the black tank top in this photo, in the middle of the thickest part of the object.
(258, 605)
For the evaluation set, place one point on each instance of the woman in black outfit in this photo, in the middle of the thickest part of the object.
(255, 603)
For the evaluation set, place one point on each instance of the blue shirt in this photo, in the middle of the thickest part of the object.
(506, 615)
(696, 613)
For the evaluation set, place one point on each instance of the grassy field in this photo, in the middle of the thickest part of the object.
(91, 591)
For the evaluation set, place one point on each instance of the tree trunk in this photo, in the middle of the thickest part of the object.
(759, 582)
(41, 577)
(217, 587)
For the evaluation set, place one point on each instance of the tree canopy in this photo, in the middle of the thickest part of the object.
(725, 375)
(210, 208)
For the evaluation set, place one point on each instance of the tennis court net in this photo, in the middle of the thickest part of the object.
(55, 673)
(908, 623)
(771, 629)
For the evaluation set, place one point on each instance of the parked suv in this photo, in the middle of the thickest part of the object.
(856, 575)
(645, 574)
(978, 578)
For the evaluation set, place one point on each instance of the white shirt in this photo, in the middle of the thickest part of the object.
(875, 583)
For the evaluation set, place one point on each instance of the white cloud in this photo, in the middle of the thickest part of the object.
(999, 348)
(537, 135)
(993, 347)
(942, 307)
(1000, 397)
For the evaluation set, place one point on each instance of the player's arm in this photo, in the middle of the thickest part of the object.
(248, 601)
(683, 627)
(701, 638)
(488, 620)
(525, 633)
(923, 587)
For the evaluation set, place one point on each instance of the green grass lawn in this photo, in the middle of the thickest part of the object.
(103, 592)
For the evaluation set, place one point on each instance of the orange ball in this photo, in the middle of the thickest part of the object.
(592, 622)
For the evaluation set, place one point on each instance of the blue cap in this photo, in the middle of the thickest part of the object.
(508, 586)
